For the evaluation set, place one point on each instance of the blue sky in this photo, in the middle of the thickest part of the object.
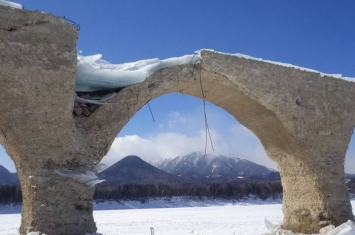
(316, 34)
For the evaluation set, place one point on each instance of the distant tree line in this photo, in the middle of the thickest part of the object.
(351, 188)
(235, 191)
(10, 194)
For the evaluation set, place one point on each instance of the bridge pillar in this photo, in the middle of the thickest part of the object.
(306, 127)
(53, 204)
(37, 129)
(314, 193)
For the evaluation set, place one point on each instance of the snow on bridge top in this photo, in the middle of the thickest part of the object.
(95, 74)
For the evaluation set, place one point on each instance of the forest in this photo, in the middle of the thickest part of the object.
(235, 191)
(10, 194)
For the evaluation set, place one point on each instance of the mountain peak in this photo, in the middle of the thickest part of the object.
(132, 158)
(132, 169)
(213, 166)
(6, 177)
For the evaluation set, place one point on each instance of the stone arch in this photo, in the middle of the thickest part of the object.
(219, 91)
(277, 104)
(179, 104)
(303, 119)
(186, 79)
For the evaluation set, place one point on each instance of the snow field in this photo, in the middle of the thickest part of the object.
(230, 219)
(216, 220)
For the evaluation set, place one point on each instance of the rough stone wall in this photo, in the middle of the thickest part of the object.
(37, 75)
(303, 120)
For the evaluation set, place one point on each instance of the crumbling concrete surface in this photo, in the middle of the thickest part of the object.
(37, 75)
(303, 120)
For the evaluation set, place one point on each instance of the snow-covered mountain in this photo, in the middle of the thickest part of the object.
(133, 170)
(199, 165)
(6, 177)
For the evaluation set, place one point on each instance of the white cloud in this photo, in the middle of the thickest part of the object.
(182, 133)
(173, 140)
(176, 119)
(155, 147)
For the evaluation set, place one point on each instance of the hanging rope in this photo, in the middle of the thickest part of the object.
(193, 68)
(207, 128)
(182, 94)
(77, 26)
(208, 134)
(193, 58)
(151, 112)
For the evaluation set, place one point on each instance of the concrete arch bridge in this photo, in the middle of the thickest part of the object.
(304, 121)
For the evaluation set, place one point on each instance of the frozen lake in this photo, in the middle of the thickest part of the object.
(212, 220)
(216, 220)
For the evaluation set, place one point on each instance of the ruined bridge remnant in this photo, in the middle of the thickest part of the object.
(304, 121)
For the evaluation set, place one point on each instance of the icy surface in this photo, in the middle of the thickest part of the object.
(214, 220)
(94, 74)
(269, 226)
(89, 101)
(244, 219)
(177, 202)
(347, 228)
(94, 182)
(100, 167)
(281, 64)
(89, 178)
(10, 4)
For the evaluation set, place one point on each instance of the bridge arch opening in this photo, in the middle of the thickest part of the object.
(177, 128)
(248, 94)
(10, 194)
(179, 124)
(350, 167)
(216, 89)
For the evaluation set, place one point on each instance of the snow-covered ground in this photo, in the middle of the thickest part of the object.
(177, 202)
(218, 220)
(209, 219)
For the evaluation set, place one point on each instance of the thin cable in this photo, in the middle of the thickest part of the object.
(208, 134)
(193, 67)
(203, 93)
(204, 103)
(207, 127)
(151, 112)
(77, 26)
(192, 58)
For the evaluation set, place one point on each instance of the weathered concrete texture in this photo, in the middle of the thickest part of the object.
(317, 118)
(37, 75)
(303, 120)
